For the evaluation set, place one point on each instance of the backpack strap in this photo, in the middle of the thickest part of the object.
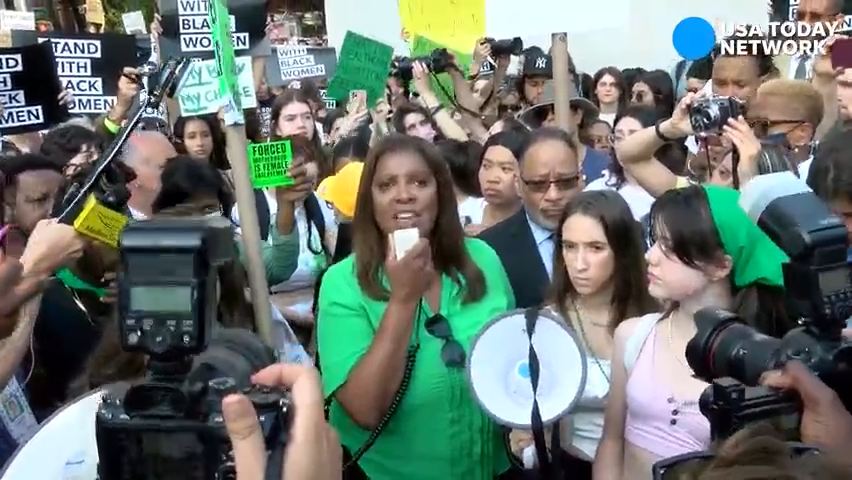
(263, 213)
(633, 347)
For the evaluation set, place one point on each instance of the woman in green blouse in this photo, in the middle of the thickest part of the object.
(376, 311)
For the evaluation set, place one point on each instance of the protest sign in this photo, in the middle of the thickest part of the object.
(423, 47)
(295, 62)
(330, 103)
(13, 20)
(88, 65)
(134, 22)
(29, 88)
(200, 91)
(226, 63)
(269, 163)
(363, 65)
(187, 30)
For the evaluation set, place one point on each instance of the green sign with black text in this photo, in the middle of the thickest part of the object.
(226, 61)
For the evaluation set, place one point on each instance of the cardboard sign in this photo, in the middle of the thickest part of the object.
(200, 92)
(363, 65)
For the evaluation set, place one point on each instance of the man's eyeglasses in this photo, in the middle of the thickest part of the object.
(691, 465)
(562, 184)
(452, 353)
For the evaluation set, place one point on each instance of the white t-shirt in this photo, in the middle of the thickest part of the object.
(310, 264)
(636, 197)
(473, 208)
(608, 118)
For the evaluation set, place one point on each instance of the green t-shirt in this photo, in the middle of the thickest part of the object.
(439, 431)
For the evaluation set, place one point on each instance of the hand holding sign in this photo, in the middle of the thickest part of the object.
(302, 184)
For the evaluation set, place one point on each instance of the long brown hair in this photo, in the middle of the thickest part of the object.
(630, 296)
(369, 244)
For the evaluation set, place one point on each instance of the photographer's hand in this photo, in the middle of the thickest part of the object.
(678, 125)
(748, 146)
(421, 77)
(313, 451)
(825, 421)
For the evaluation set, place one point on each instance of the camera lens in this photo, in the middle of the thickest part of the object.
(724, 346)
(233, 353)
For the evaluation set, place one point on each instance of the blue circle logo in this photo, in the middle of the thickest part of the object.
(524, 370)
(693, 38)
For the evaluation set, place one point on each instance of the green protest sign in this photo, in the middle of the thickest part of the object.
(423, 47)
(226, 63)
(363, 64)
(268, 163)
(200, 93)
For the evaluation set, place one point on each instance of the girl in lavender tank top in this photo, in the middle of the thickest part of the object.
(705, 252)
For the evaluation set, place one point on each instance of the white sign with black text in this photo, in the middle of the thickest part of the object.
(74, 57)
(295, 63)
(194, 28)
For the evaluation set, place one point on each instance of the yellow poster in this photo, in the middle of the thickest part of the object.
(458, 24)
(95, 12)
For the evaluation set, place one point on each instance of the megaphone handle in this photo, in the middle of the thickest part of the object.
(549, 469)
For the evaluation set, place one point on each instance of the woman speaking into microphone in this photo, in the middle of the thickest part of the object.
(394, 333)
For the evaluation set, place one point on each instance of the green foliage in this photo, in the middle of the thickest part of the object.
(114, 8)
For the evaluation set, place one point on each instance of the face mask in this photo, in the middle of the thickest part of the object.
(776, 139)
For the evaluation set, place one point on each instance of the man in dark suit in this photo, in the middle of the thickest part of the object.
(549, 177)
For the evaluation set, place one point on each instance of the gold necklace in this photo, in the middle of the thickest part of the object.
(586, 340)
(671, 345)
(581, 314)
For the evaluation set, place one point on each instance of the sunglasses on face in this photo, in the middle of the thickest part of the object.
(452, 353)
(561, 184)
(690, 466)
(761, 127)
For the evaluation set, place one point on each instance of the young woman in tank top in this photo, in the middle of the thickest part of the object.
(598, 281)
(705, 252)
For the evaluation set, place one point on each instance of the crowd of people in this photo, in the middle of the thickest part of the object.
(625, 224)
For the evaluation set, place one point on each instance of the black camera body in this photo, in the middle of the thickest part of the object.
(167, 296)
(438, 62)
(732, 356)
(506, 46)
(170, 425)
(139, 438)
(710, 114)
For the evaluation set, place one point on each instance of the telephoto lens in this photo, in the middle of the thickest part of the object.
(725, 346)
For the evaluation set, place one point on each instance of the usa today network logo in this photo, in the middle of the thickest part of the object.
(695, 37)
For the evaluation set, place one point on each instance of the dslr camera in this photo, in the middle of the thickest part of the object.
(170, 424)
(732, 356)
(506, 46)
(710, 114)
(439, 61)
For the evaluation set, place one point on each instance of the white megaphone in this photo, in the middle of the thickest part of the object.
(64, 447)
(499, 368)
